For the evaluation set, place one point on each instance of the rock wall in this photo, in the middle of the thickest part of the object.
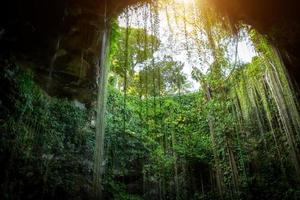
(60, 40)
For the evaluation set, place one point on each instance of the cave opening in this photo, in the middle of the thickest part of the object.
(171, 58)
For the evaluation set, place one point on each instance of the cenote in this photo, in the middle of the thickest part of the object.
(154, 100)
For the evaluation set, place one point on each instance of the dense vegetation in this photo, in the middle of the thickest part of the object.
(46, 143)
(237, 136)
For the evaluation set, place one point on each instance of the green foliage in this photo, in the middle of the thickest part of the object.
(46, 144)
(162, 78)
(145, 147)
(138, 52)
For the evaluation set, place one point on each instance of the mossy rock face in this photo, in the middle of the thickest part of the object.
(59, 40)
(30, 30)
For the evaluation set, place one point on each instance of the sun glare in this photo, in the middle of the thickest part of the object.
(184, 1)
